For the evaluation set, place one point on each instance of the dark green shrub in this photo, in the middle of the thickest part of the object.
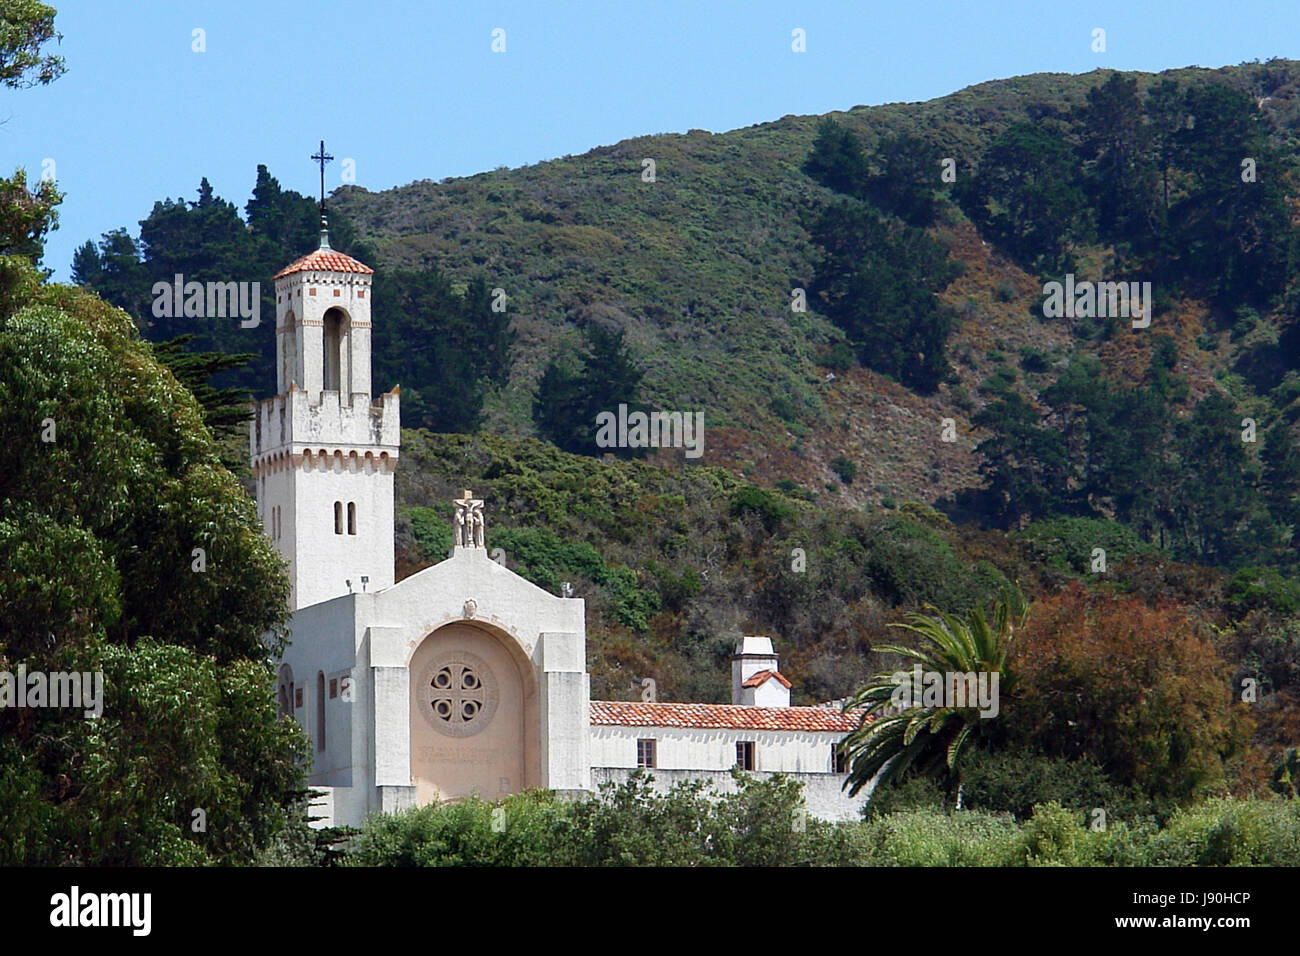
(675, 590)
(783, 408)
(1230, 833)
(909, 563)
(1054, 836)
(1262, 589)
(845, 467)
(1067, 543)
(1034, 361)
(431, 528)
(769, 507)
(1013, 783)
(1003, 377)
(838, 358)
(1245, 320)
(912, 793)
(532, 832)
(1286, 777)
(543, 557)
(933, 838)
(633, 605)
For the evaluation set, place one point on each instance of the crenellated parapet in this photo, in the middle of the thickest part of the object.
(292, 431)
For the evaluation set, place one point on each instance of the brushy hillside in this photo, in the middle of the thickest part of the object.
(676, 563)
(698, 267)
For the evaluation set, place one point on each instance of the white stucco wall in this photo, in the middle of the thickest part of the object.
(323, 561)
(770, 693)
(689, 749)
(822, 795)
(322, 641)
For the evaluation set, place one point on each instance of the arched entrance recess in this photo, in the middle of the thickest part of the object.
(474, 715)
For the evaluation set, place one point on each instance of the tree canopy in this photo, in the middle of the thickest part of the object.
(127, 549)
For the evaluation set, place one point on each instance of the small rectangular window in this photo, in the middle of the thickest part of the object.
(352, 517)
(745, 754)
(645, 753)
(338, 517)
(839, 763)
(320, 711)
(334, 687)
(297, 698)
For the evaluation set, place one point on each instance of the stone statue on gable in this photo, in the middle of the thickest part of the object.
(468, 525)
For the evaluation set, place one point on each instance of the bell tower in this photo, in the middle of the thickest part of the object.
(323, 451)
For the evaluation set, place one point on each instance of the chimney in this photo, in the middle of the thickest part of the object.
(755, 680)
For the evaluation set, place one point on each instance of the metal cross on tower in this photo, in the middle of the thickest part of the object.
(322, 157)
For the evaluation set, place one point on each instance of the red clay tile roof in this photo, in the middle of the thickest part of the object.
(624, 713)
(759, 679)
(325, 260)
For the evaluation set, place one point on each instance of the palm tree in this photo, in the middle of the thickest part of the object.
(929, 740)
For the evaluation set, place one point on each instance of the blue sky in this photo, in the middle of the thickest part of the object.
(412, 90)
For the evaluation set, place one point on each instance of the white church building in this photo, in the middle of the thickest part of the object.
(464, 678)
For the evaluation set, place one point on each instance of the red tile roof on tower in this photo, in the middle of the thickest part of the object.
(623, 713)
(325, 260)
(761, 678)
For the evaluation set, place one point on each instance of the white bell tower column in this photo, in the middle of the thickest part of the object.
(323, 452)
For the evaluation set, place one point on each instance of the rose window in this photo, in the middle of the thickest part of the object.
(459, 694)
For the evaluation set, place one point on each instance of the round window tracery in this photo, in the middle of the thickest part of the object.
(459, 694)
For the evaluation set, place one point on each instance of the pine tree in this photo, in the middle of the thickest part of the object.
(907, 178)
(571, 394)
(1027, 196)
(1119, 160)
(837, 160)
(879, 282)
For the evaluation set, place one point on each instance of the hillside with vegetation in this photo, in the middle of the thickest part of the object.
(828, 504)
(697, 269)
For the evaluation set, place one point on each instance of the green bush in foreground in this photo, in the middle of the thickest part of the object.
(762, 824)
